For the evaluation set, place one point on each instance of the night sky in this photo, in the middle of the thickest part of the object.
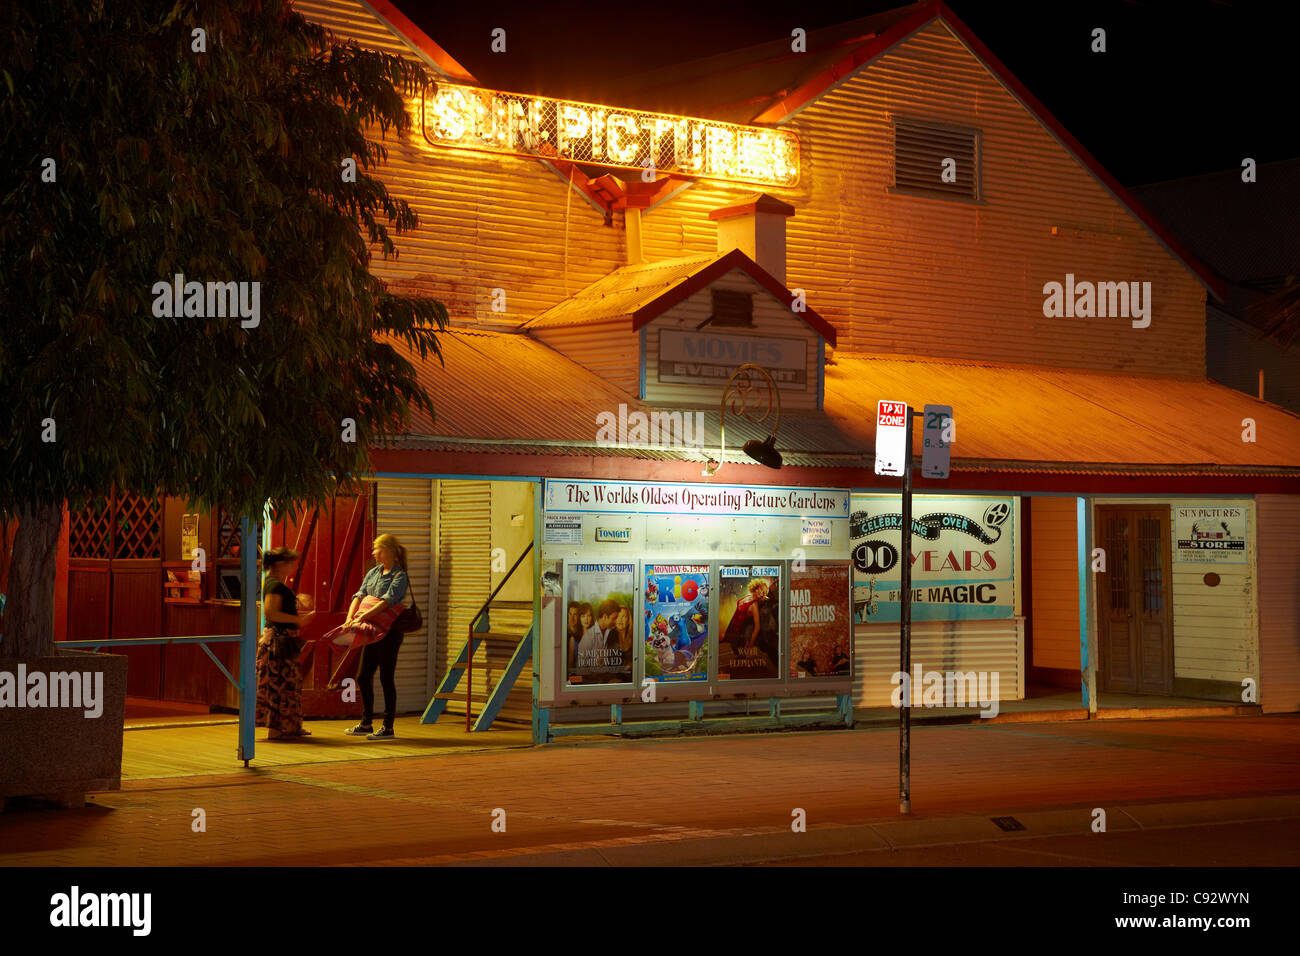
(1184, 88)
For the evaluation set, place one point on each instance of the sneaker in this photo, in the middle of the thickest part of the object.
(383, 733)
(360, 730)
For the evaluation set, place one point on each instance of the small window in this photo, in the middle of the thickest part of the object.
(935, 159)
(732, 309)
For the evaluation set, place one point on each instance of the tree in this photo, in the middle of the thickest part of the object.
(208, 140)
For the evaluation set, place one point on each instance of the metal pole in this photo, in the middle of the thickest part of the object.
(905, 635)
(249, 632)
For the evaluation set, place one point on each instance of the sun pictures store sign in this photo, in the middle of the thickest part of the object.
(963, 558)
(514, 123)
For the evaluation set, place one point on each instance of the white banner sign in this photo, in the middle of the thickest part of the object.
(632, 497)
(701, 358)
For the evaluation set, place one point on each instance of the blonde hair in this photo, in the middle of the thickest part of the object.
(390, 541)
(757, 583)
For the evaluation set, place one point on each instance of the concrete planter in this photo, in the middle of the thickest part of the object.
(55, 749)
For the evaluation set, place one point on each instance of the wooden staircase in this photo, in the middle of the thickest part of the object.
(480, 635)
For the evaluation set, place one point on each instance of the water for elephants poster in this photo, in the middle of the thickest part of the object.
(677, 622)
(749, 608)
(821, 639)
(598, 623)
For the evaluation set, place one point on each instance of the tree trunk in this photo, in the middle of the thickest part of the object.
(29, 613)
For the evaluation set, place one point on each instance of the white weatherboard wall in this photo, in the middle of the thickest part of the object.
(1214, 627)
(1279, 614)
(404, 510)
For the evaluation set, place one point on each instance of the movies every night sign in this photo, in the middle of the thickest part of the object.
(963, 558)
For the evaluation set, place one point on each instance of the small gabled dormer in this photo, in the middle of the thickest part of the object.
(672, 332)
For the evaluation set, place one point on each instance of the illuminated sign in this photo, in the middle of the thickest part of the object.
(473, 118)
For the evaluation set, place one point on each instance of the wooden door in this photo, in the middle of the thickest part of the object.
(1135, 601)
(334, 544)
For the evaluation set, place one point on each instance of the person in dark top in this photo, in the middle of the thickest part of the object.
(279, 676)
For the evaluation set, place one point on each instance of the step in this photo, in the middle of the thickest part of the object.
(458, 695)
(494, 636)
(458, 666)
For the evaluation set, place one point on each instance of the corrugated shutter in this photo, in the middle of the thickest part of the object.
(939, 646)
(405, 507)
(464, 571)
(1278, 524)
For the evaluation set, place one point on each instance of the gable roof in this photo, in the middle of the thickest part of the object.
(763, 85)
(644, 292)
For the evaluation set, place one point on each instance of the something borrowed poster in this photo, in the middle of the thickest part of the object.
(963, 558)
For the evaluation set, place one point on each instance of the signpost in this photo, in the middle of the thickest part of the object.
(936, 439)
(894, 457)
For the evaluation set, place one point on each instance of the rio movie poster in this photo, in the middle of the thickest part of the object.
(598, 633)
(677, 622)
(749, 607)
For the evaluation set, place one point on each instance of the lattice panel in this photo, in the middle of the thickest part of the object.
(138, 528)
(90, 532)
(227, 535)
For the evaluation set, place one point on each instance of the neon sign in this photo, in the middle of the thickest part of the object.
(517, 124)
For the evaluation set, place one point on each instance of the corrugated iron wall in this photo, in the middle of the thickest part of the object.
(1055, 582)
(404, 510)
(903, 274)
(494, 230)
(1278, 521)
(347, 18)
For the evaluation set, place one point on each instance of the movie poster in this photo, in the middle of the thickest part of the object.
(749, 610)
(821, 635)
(677, 622)
(598, 641)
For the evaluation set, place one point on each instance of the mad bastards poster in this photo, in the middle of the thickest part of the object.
(677, 622)
(821, 638)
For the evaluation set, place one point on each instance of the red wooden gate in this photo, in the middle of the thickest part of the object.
(334, 542)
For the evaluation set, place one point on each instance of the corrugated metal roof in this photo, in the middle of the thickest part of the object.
(622, 292)
(502, 392)
(1064, 416)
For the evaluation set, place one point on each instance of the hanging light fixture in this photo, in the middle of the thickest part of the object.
(738, 394)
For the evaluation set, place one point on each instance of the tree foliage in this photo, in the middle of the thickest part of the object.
(222, 165)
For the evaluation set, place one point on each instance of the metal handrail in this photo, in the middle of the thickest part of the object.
(469, 641)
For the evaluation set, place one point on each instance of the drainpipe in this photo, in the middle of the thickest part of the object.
(632, 223)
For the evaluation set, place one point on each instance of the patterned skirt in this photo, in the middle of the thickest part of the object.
(279, 686)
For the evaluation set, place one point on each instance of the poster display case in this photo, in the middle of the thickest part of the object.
(732, 592)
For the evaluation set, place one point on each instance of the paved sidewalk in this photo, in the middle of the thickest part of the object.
(656, 794)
